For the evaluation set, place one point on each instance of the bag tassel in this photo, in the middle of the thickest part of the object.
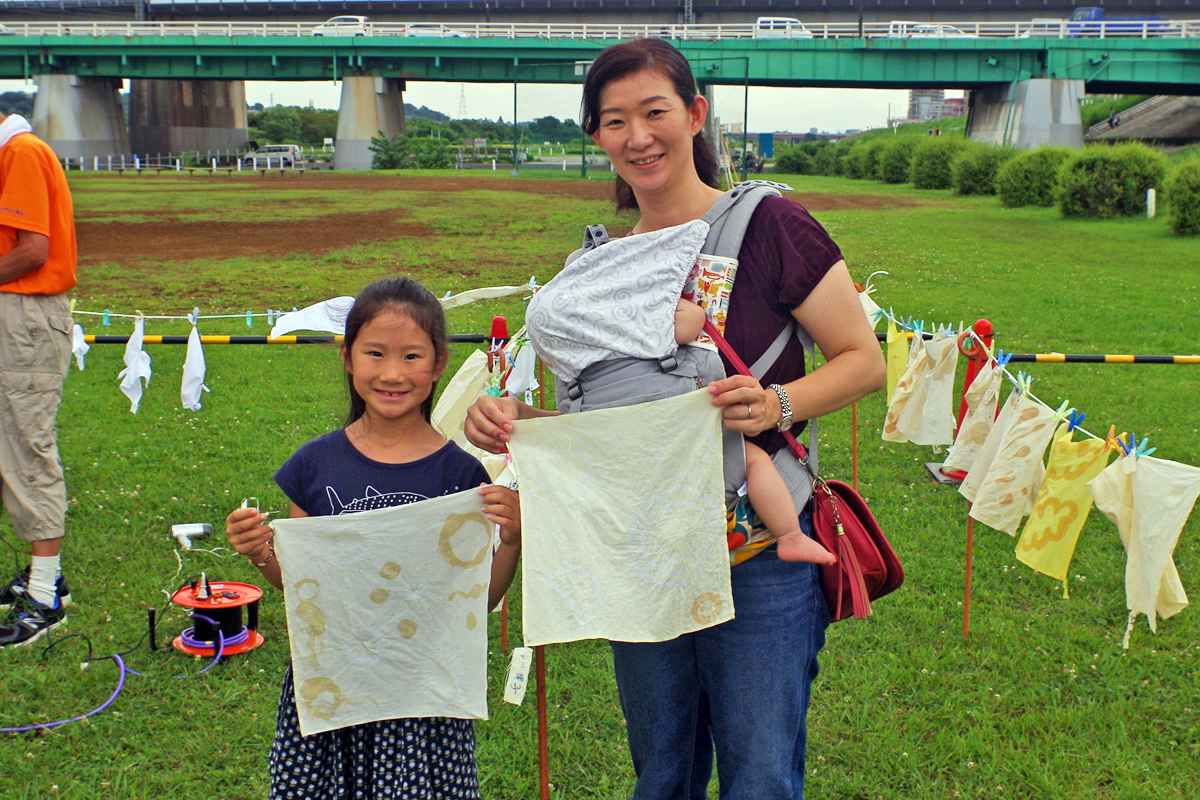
(850, 566)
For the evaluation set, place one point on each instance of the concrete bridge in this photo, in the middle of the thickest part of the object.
(187, 87)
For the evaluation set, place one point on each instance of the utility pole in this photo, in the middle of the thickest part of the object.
(689, 13)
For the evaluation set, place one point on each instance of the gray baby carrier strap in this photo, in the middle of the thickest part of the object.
(629, 381)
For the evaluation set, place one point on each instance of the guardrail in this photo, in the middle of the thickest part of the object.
(1029, 29)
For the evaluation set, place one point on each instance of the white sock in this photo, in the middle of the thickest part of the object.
(43, 572)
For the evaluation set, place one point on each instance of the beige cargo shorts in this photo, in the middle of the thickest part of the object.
(35, 351)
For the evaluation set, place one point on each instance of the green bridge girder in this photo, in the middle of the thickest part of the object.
(1163, 66)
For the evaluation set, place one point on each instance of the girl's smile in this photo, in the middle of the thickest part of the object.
(393, 366)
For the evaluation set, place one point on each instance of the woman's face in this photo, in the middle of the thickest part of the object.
(647, 131)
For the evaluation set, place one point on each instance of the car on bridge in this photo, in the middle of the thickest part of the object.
(435, 30)
(926, 30)
(780, 28)
(343, 26)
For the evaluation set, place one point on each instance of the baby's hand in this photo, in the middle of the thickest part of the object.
(502, 506)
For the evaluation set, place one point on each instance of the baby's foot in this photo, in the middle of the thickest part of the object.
(795, 546)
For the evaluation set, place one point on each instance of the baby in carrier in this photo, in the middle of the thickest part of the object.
(769, 495)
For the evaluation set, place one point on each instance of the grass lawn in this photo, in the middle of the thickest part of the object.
(1041, 700)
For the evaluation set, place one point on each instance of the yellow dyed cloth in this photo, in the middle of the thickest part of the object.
(897, 356)
(1149, 499)
(623, 522)
(983, 395)
(1048, 540)
(918, 365)
(450, 412)
(1011, 484)
(387, 611)
(928, 415)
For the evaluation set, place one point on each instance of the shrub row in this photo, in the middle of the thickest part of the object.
(1099, 181)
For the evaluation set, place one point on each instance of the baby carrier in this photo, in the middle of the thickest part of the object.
(628, 381)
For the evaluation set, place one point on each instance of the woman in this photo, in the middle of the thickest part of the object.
(740, 688)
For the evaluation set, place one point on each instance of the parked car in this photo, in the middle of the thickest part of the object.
(926, 30)
(286, 155)
(780, 28)
(343, 26)
(435, 30)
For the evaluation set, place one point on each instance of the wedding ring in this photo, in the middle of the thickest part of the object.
(749, 411)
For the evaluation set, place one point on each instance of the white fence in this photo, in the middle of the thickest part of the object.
(1038, 28)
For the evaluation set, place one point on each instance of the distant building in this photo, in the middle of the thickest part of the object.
(930, 104)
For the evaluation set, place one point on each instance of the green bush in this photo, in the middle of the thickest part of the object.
(1029, 178)
(403, 153)
(895, 159)
(828, 160)
(931, 162)
(1101, 181)
(1183, 190)
(973, 170)
(862, 160)
(793, 161)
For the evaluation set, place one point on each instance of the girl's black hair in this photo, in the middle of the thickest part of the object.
(414, 301)
(640, 55)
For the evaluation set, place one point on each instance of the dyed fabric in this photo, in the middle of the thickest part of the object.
(1149, 500)
(623, 522)
(136, 375)
(928, 415)
(987, 452)
(1048, 541)
(387, 611)
(918, 364)
(983, 395)
(897, 357)
(1012, 481)
(192, 386)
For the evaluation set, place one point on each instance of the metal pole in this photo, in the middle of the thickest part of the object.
(746, 120)
(514, 172)
(583, 152)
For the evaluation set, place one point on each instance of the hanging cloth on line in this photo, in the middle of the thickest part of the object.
(1149, 499)
(928, 416)
(1048, 541)
(1011, 484)
(136, 375)
(983, 395)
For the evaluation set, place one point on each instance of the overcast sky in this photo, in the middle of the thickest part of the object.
(795, 110)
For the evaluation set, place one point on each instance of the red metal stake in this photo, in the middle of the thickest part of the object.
(504, 623)
(967, 582)
(543, 739)
(854, 443)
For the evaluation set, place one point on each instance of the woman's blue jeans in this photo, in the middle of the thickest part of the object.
(739, 689)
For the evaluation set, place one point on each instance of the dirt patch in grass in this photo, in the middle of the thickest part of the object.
(851, 202)
(155, 241)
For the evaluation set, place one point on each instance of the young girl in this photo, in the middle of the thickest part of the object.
(394, 352)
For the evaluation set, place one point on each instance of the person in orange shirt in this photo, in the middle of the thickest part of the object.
(37, 268)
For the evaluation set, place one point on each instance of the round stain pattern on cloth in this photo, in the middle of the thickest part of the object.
(706, 608)
(455, 523)
(389, 571)
(408, 628)
(471, 621)
(379, 596)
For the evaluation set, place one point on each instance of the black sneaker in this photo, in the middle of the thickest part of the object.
(30, 623)
(18, 588)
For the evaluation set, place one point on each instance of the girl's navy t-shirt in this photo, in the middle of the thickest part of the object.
(329, 476)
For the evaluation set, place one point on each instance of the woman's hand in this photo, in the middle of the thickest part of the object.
(490, 420)
(248, 534)
(745, 405)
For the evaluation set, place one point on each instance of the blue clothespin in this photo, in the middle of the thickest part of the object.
(1141, 449)
(194, 317)
(1127, 448)
(446, 296)
(106, 320)
(1074, 419)
(1002, 358)
(249, 319)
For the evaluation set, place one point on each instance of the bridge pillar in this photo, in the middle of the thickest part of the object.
(80, 116)
(171, 116)
(1027, 113)
(370, 105)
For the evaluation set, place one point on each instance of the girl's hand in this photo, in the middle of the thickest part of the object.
(745, 405)
(490, 420)
(247, 533)
(502, 506)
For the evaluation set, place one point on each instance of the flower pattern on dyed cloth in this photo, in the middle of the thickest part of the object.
(395, 759)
